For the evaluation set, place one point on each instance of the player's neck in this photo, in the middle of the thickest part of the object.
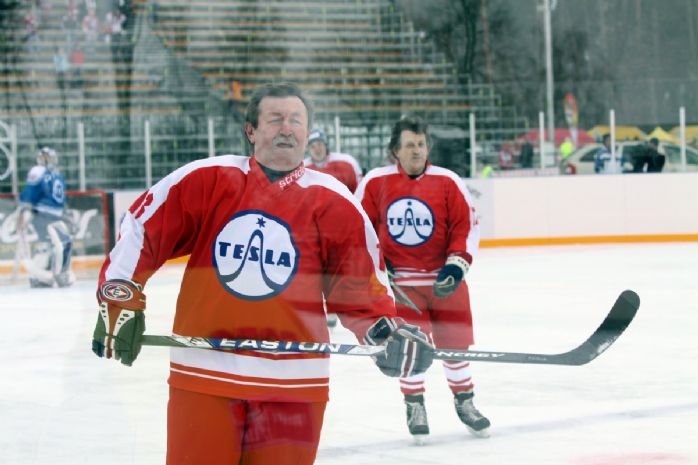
(274, 175)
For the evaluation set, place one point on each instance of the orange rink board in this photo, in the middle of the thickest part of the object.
(91, 265)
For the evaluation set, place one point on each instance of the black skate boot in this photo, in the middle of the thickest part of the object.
(476, 422)
(417, 418)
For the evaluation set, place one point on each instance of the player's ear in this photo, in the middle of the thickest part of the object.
(249, 132)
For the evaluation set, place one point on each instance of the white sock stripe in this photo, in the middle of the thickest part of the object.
(457, 375)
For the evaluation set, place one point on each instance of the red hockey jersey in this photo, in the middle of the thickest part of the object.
(420, 222)
(262, 255)
(340, 165)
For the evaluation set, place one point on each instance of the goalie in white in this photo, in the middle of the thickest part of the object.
(42, 204)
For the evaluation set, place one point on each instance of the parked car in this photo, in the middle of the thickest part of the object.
(581, 161)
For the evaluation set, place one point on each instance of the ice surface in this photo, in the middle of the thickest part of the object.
(636, 404)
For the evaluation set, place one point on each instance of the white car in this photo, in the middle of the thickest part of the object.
(581, 161)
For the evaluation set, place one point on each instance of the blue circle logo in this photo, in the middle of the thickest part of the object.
(410, 221)
(255, 255)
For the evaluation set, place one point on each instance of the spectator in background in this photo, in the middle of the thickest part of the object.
(77, 61)
(566, 149)
(603, 163)
(233, 95)
(61, 65)
(646, 158)
(113, 26)
(70, 23)
(31, 29)
(526, 155)
(90, 28)
(506, 157)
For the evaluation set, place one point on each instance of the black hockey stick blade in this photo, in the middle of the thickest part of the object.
(613, 325)
(617, 320)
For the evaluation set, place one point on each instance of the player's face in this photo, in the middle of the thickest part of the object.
(281, 134)
(317, 150)
(413, 152)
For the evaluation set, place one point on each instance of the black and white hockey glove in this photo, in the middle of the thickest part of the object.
(450, 276)
(407, 349)
(121, 321)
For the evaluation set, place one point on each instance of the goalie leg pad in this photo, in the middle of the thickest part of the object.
(60, 240)
(38, 265)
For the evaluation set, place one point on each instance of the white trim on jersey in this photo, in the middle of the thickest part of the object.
(374, 173)
(123, 261)
(473, 240)
(316, 178)
(250, 366)
(345, 157)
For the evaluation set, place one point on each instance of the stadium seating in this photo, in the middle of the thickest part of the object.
(360, 60)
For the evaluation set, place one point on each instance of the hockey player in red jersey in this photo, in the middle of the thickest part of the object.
(268, 240)
(429, 232)
(340, 165)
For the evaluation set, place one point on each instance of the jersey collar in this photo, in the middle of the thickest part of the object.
(403, 173)
(279, 185)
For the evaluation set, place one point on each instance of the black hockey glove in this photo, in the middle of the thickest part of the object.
(121, 322)
(407, 350)
(450, 276)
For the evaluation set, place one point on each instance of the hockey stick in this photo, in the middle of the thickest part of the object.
(403, 298)
(620, 316)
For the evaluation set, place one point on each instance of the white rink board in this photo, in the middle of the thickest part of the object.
(635, 404)
(598, 205)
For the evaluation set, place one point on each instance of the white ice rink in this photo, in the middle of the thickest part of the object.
(636, 404)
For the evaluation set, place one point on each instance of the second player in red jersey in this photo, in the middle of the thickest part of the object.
(429, 232)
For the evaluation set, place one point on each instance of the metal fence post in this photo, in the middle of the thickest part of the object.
(211, 139)
(148, 157)
(81, 156)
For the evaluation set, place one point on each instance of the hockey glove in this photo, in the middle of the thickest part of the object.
(121, 321)
(407, 350)
(450, 276)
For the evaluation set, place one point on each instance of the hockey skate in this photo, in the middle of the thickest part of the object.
(417, 418)
(36, 283)
(65, 279)
(476, 422)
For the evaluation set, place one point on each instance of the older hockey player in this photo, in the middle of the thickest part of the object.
(43, 200)
(429, 232)
(267, 240)
(340, 165)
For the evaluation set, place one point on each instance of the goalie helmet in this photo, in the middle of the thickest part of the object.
(47, 157)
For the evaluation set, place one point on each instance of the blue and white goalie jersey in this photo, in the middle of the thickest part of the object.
(45, 190)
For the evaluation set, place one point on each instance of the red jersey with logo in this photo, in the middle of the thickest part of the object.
(262, 254)
(421, 221)
(340, 165)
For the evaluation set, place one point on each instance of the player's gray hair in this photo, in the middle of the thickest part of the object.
(283, 89)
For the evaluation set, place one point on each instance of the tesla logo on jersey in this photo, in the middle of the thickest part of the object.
(410, 221)
(255, 256)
